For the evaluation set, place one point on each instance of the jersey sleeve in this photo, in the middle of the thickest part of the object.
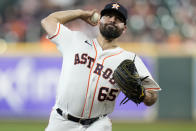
(149, 83)
(64, 38)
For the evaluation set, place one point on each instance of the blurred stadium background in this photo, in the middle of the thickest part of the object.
(162, 32)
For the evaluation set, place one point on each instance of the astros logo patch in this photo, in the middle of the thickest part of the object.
(116, 6)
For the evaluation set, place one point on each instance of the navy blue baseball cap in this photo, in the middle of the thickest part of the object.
(117, 8)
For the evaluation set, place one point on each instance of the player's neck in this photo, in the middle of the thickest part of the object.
(106, 44)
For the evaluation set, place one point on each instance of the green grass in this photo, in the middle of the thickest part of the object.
(158, 126)
(22, 126)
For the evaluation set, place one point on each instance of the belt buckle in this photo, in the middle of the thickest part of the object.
(89, 121)
(83, 122)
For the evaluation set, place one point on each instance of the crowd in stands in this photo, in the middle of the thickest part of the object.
(150, 21)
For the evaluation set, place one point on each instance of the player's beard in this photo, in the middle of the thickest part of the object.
(110, 31)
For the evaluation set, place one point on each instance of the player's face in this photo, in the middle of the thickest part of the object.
(111, 26)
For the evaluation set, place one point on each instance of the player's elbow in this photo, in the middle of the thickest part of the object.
(49, 24)
(49, 20)
(150, 98)
(150, 103)
(44, 22)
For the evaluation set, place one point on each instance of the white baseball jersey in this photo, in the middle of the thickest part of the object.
(86, 88)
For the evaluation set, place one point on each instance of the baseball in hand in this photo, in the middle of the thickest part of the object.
(95, 17)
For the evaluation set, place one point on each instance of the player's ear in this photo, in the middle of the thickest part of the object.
(125, 29)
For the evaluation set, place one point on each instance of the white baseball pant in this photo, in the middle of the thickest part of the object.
(59, 123)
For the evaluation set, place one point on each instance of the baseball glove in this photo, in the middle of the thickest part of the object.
(128, 80)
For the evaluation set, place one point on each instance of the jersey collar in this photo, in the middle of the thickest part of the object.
(99, 48)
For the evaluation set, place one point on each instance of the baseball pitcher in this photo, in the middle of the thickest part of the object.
(94, 71)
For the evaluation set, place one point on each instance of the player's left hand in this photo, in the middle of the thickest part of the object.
(86, 16)
(129, 81)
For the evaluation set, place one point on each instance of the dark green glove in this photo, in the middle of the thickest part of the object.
(128, 80)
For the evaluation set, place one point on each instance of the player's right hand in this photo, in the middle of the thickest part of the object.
(86, 16)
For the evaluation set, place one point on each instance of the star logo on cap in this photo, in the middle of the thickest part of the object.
(115, 6)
